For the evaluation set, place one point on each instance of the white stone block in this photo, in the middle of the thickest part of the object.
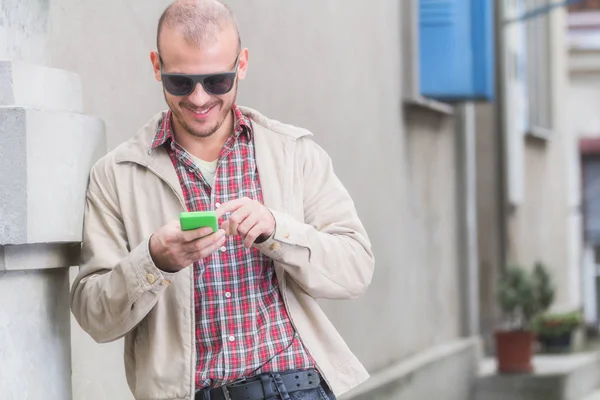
(36, 86)
(39, 256)
(45, 159)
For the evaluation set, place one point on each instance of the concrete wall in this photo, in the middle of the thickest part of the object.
(584, 122)
(432, 281)
(400, 167)
(546, 226)
(24, 29)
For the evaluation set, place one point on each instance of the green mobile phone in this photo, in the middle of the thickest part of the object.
(198, 219)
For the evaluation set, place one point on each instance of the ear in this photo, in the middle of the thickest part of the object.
(155, 59)
(243, 64)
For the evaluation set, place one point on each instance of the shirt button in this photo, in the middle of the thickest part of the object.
(223, 249)
(191, 169)
(231, 338)
(228, 294)
(217, 205)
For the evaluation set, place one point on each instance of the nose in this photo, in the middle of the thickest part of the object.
(199, 96)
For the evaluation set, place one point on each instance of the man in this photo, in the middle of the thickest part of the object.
(230, 314)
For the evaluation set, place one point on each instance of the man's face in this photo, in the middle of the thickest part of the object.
(200, 113)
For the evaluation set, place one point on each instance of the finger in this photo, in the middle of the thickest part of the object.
(245, 226)
(170, 233)
(254, 233)
(194, 234)
(198, 244)
(208, 250)
(231, 206)
(232, 225)
(238, 218)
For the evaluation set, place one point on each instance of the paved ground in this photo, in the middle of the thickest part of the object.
(593, 396)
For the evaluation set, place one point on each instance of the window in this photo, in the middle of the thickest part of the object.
(527, 72)
(539, 67)
(452, 42)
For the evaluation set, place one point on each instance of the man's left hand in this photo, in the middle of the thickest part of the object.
(249, 219)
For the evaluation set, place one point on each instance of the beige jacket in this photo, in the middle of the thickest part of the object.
(320, 249)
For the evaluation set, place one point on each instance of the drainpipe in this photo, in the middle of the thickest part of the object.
(467, 200)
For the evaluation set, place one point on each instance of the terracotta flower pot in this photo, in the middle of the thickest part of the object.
(514, 351)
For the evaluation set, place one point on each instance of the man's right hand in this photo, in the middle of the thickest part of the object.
(173, 249)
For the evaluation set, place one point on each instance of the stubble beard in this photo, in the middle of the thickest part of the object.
(209, 131)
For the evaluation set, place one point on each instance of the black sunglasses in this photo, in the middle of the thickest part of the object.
(185, 84)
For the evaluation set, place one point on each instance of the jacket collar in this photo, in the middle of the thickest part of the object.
(272, 141)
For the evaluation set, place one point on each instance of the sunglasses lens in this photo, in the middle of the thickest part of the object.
(219, 84)
(178, 85)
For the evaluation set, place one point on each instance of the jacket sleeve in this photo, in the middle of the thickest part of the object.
(328, 254)
(116, 287)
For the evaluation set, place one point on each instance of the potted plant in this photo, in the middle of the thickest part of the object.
(522, 296)
(555, 330)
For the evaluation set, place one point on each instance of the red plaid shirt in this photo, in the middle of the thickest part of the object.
(242, 326)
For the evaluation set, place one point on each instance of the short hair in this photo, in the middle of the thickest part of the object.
(197, 20)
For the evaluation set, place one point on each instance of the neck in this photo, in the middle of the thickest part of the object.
(205, 148)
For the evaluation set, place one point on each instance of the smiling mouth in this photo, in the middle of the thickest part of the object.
(200, 112)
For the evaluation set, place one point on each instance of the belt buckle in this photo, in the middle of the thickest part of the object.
(226, 392)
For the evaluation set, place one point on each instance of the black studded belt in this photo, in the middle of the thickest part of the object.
(263, 387)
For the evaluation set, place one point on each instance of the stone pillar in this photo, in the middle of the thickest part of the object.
(47, 147)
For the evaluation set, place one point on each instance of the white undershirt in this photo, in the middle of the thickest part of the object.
(208, 168)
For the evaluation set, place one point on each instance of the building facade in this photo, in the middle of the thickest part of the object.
(583, 102)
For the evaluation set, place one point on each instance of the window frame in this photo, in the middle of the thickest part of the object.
(411, 88)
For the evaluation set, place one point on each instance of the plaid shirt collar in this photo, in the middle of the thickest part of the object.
(164, 131)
